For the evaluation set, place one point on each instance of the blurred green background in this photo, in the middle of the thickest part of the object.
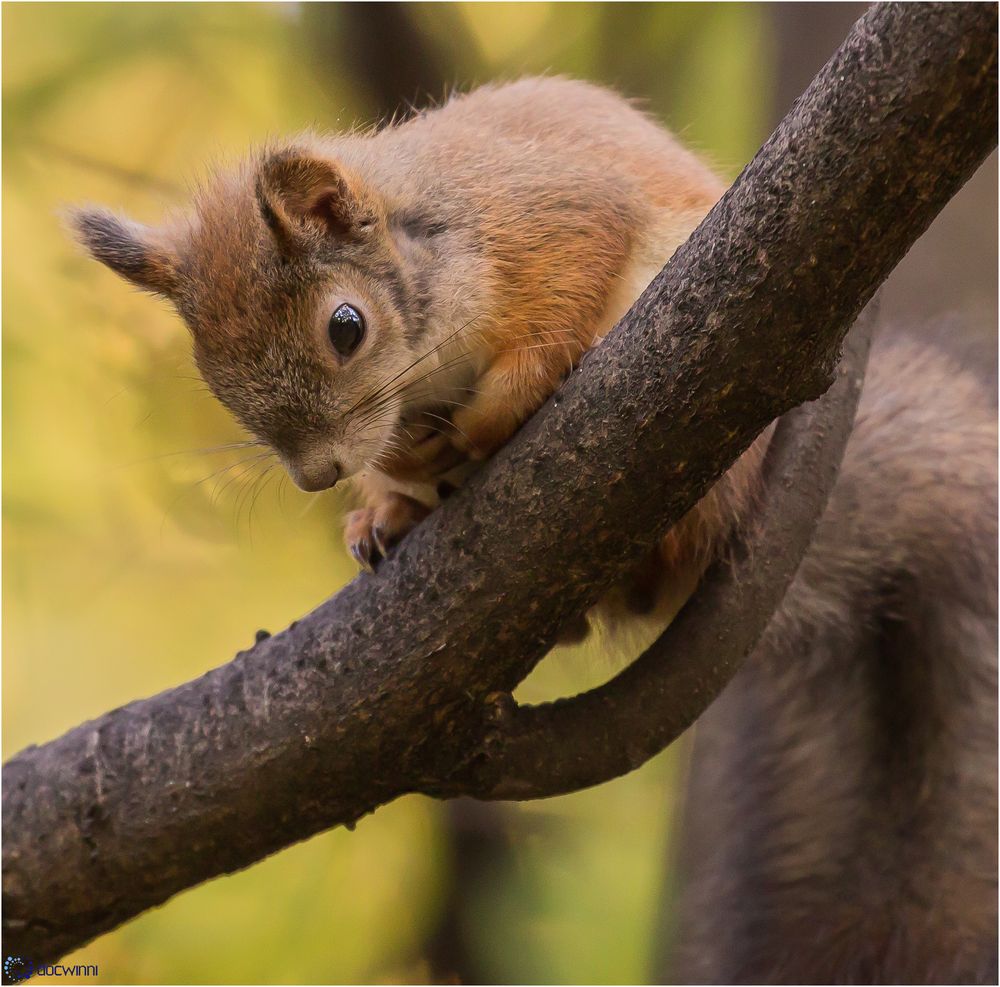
(137, 554)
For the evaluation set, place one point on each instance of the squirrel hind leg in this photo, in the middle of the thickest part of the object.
(656, 589)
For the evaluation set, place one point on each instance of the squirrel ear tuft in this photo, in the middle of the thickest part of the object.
(134, 251)
(298, 192)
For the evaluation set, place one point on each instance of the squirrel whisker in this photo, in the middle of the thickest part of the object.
(385, 383)
(252, 465)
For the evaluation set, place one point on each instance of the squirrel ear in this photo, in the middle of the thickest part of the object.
(297, 192)
(136, 252)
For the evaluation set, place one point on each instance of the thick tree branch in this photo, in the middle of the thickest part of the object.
(554, 748)
(382, 689)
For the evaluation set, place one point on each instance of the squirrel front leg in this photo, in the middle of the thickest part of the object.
(513, 386)
(526, 368)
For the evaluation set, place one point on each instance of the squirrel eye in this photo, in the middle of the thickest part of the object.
(347, 329)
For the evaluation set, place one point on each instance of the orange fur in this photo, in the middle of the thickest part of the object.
(490, 242)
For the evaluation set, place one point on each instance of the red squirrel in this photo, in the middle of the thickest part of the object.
(387, 307)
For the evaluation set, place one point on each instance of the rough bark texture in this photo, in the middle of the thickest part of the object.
(383, 689)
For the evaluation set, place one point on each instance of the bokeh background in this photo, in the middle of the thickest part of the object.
(137, 553)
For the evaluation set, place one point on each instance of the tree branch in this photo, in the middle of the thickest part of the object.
(382, 689)
(554, 748)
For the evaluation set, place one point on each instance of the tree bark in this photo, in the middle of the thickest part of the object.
(554, 748)
(389, 686)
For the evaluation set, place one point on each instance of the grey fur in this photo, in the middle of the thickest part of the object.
(842, 820)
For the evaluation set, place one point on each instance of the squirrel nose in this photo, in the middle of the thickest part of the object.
(314, 476)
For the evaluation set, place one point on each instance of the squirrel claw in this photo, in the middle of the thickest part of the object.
(359, 540)
(372, 533)
(365, 554)
(385, 541)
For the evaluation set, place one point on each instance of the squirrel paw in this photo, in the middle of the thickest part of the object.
(430, 453)
(373, 532)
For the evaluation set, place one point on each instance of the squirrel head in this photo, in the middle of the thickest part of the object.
(287, 276)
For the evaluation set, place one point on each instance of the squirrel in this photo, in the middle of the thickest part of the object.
(390, 306)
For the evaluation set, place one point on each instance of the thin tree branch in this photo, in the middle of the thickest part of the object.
(554, 748)
(383, 689)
